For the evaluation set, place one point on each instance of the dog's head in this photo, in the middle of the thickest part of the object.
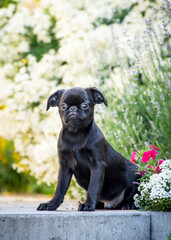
(76, 106)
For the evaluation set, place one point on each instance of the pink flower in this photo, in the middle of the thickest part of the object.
(142, 173)
(153, 167)
(150, 166)
(133, 157)
(153, 154)
(158, 169)
(160, 161)
(153, 147)
(146, 157)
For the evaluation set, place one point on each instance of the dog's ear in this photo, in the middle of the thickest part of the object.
(97, 95)
(53, 100)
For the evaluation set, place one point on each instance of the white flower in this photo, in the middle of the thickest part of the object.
(158, 187)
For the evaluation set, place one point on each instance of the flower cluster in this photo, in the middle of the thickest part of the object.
(154, 191)
(147, 161)
(150, 154)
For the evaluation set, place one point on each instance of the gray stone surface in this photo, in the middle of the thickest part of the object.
(70, 225)
(19, 220)
(160, 225)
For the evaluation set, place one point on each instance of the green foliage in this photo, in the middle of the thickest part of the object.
(161, 205)
(11, 180)
(140, 113)
(118, 16)
(139, 118)
(5, 3)
(39, 48)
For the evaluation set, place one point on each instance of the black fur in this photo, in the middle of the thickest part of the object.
(84, 152)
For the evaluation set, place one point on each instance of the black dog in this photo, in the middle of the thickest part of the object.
(83, 151)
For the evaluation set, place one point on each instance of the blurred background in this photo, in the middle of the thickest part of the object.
(122, 47)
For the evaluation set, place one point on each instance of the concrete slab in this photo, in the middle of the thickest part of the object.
(160, 225)
(19, 220)
(71, 225)
(28, 204)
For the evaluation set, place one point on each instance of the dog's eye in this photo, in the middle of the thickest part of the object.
(84, 106)
(63, 106)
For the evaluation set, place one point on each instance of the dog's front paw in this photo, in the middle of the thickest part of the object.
(49, 206)
(85, 207)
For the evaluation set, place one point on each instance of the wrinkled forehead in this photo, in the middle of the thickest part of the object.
(75, 96)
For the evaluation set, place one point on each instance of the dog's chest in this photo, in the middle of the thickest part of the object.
(73, 142)
(81, 168)
(82, 158)
(79, 148)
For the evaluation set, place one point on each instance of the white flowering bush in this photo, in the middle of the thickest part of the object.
(155, 193)
(46, 45)
(30, 72)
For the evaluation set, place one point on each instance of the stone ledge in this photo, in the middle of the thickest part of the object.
(71, 225)
(20, 221)
(160, 225)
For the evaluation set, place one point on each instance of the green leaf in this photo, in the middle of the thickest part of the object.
(169, 237)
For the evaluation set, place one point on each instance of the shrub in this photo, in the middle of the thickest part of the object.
(139, 112)
(13, 181)
(5, 3)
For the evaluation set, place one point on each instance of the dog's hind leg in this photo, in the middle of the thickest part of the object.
(100, 205)
(115, 203)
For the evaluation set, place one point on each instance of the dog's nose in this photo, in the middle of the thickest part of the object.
(73, 108)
